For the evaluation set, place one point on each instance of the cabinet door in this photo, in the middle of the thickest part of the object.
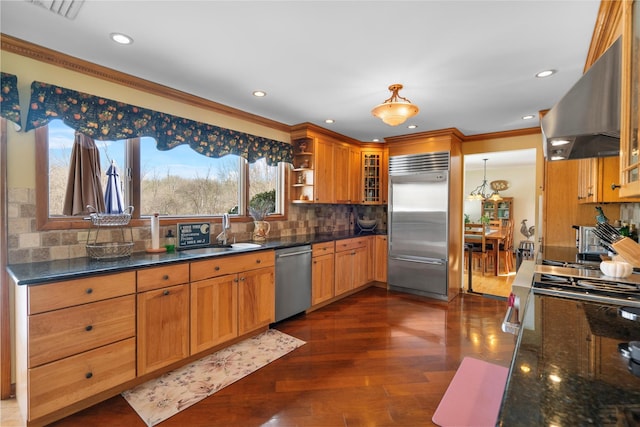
(373, 177)
(323, 182)
(341, 176)
(256, 299)
(214, 312)
(322, 278)
(354, 178)
(381, 259)
(163, 327)
(360, 267)
(588, 180)
(609, 182)
(343, 271)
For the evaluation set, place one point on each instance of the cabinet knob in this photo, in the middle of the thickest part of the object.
(216, 268)
(89, 291)
(88, 328)
(258, 261)
(242, 279)
(235, 280)
(614, 186)
(166, 292)
(165, 277)
(88, 375)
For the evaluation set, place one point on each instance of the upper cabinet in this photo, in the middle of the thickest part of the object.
(374, 167)
(327, 168)
(629, 132)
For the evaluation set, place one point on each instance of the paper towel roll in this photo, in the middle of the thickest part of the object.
(155, 231)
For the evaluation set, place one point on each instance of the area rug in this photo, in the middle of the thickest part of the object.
(474, 395)
(163, 397)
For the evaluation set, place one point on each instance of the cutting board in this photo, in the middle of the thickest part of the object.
(629, 250)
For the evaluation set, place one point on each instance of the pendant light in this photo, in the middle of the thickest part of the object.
(481, 192)
(395, 110)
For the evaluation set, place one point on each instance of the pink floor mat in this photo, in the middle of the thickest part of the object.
(474, 395)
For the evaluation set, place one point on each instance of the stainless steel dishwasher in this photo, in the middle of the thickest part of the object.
(293, 281)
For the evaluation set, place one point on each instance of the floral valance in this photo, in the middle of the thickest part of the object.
(9, 99)
(106, 119)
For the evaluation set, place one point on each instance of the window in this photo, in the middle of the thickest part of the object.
(177, 183)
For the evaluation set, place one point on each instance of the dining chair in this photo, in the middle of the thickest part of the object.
(477, 236)
(505, 249)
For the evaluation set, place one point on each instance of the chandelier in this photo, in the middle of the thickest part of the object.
(395, 110)
(482, 192)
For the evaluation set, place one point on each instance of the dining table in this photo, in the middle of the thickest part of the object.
(494, 237)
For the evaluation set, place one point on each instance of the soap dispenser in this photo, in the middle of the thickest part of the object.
(170, 241)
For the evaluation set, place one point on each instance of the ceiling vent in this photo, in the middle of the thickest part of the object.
(67, 8)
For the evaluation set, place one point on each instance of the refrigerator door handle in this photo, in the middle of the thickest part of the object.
(419, 261)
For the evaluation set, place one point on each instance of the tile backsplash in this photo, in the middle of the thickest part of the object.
(27, 244)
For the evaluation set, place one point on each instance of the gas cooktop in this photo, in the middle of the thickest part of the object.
(586, 282)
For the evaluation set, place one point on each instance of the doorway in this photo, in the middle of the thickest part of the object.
(512, 175)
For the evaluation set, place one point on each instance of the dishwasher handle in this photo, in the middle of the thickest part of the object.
(293, 254)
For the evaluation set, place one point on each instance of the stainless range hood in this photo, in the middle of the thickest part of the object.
(586, 121)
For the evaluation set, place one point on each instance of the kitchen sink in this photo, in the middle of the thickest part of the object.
(208, 250)
(245, 245)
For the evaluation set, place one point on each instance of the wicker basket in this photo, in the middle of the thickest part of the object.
(110, 220)
(109, 250)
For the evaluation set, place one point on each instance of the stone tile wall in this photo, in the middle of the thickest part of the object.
(27, 244)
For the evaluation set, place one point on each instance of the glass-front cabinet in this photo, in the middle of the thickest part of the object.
(374, 176)
(629, 132)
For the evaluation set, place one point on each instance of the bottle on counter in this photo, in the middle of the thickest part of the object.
(170, 241)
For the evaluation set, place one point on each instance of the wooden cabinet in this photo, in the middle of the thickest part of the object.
(163, 327)
(380, 263)
(630, 111)
(214, 312)
(374, 173)
(256, 299)
(498, 210)
(350, 264)
(231, 296)
(74, 339)
(588, 171)
(322, 272)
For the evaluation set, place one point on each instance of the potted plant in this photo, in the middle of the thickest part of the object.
(484, 219)
(260, 206)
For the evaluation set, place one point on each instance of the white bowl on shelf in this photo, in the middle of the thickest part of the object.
(366, 223)
(616, 268)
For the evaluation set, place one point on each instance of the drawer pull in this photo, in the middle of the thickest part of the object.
(258, 261)
(88, 328)
(88, 375)
(166, 292)
(89, 291)
(216, 268)
(165, 277)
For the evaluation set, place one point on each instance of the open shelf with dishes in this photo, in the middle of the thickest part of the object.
(302, 173)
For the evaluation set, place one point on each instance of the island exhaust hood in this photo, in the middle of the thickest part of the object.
(586, 121)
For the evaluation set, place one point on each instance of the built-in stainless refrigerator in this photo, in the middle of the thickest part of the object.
(418, 224)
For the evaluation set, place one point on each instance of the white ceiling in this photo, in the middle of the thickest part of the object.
(466, 64)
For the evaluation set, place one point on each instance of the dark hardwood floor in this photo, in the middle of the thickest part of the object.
(376, 358)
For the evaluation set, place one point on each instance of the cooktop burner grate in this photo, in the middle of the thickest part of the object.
(591, 289)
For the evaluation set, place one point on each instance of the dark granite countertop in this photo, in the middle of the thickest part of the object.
(51, 271)
(567, 368)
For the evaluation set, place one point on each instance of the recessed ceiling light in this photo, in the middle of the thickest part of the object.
(412, 126)
(528, 117)
(375, 140)
(259, 93)
(545, 73)
(121, 38)
(329, 121)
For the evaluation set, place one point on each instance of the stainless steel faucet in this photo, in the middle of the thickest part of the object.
(226, 225)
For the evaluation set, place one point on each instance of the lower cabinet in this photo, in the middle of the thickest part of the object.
(214, 312)
(256, 299)
(163, 327)
(351, 266)
(322, 272)
(380, 259)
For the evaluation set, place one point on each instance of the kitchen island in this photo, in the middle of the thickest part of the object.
(569, 365)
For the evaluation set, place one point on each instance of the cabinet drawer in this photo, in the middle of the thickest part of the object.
(67, 381)
(80, 291)
(161, 277)
(61, 333)
(220, 266)
(346, 244)
(319, 249)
